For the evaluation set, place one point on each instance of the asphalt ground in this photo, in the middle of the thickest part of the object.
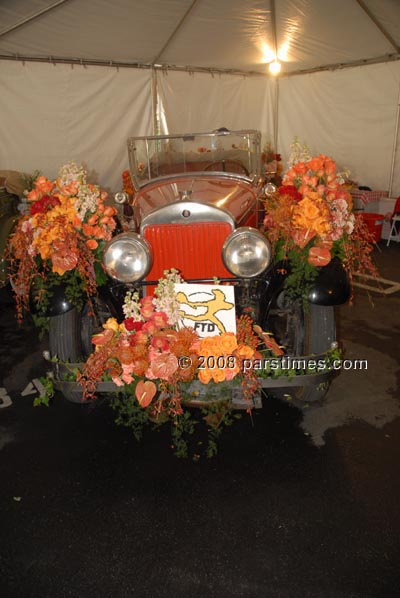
(295, 504)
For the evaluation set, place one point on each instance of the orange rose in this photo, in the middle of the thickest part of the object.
(204, 376)
(218, 374)
(228, 343)
(92, 244)
(43, 185)
(244, 352)
(93, 220)
(33, 195)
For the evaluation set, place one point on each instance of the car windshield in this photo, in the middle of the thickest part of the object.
(224, 151)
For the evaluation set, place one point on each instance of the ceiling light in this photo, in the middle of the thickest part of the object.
(275, 67)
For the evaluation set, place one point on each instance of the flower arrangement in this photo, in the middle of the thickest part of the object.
(154, 361)
(150, 351)
(272, 164)
(127, 185)
(309, 220)
(61, 237)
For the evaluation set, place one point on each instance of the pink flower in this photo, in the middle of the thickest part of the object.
(160, 342)
(159, 318)
(117, 381)
(149, 327)
(147, 307)
(140, 337)
(162, 366)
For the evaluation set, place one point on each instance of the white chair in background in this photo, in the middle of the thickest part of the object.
(394, 234)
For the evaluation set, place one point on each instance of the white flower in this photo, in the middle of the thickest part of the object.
(131, 306)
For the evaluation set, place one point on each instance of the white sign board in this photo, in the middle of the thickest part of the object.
(209, 309)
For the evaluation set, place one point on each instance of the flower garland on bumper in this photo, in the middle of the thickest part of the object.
(161, 367)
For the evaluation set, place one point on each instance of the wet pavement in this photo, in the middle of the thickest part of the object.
(294, 504)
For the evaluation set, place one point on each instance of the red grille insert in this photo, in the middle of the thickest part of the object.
(194, 249)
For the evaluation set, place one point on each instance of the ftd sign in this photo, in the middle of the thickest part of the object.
(209, 309)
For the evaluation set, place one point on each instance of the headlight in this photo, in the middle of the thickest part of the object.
(246, 252)
(127, 257)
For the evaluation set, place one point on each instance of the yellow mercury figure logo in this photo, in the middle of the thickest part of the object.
(212, 306)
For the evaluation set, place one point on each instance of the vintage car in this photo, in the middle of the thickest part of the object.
(198, 208)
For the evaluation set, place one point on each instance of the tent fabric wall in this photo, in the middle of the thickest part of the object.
(52, 114)
(201, 102)
(347, 114)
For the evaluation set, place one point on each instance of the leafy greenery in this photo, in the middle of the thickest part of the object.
(44, 399)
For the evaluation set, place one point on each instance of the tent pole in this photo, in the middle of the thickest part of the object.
(32, 17)
(154, 102)
(396, 132)
(276, 114)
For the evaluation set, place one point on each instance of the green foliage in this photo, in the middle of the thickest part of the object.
(129, 413)
(301, 276)
(49, 392)
(29, 179)
(182, 426)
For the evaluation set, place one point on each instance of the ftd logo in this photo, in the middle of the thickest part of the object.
(210, 309)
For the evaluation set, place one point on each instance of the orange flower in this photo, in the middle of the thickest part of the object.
(319, 256)
(228, 343)
(312, 214)
(163, 366)
(144, 392)
(110, 211)
(244, 352)
(33, 195)
(204, 376)
(62, 263)
(92, 244)
(43, 185)
(93, 220)
(316, 163)
(218, 374)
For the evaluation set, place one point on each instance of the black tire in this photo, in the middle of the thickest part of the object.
(319, 334)
(70, 339)
(303, 332)
(65, 341)
(70, 334)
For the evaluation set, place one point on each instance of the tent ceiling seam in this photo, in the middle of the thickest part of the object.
(274, 29)
(175, 31)
(346, 65)
(32, 17)
(193, 69)
(377, 24)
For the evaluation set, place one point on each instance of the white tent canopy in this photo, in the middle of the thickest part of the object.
(77, 77)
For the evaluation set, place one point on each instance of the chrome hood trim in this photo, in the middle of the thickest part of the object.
(187, 212)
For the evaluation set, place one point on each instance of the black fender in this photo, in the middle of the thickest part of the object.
(332, 285)
(57, 305)
(112, 295)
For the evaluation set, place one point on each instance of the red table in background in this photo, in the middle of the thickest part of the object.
(366, 196)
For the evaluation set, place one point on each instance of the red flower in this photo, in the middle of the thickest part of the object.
(130, 324)
(44, 204)
(291, 191)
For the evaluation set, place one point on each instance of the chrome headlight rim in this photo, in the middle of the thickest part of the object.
(140, 258)
(234, 240)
